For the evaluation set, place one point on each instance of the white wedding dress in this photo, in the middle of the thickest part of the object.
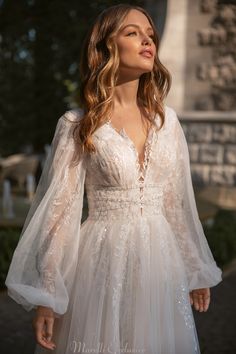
(120, 282)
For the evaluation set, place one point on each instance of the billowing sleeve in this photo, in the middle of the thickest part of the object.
(44, 261)
(181, 213)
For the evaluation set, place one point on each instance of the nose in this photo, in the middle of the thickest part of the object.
(146, 40)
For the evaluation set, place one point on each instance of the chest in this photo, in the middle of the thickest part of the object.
(134, 130)
(117, 161)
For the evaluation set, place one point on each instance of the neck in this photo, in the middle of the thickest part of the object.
(125, 93)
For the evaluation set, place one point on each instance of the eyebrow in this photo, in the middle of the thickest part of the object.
(134, 25)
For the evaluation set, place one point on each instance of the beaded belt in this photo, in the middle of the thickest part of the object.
(114, 202)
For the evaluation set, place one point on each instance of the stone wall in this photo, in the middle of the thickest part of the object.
(198, 47)
(220, 70)
(211, 138)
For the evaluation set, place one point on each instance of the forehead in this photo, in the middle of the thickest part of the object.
(138, 18)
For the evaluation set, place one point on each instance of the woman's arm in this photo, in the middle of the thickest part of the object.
(181, 212)
(43, 264)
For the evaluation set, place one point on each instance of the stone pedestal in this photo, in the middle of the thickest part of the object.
(199, 49)
(211, 138)
(172, 51)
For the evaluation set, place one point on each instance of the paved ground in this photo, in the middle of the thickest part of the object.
(216, 327)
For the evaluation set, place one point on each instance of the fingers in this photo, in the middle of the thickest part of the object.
(43, 331)
(200, 299)
(206, 304)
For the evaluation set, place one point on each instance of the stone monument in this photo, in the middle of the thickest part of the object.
(198, 46)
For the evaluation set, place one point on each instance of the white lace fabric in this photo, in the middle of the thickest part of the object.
(44, 261)
(142, 228)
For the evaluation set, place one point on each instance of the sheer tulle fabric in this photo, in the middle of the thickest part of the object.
(43, 264)
(121, 280)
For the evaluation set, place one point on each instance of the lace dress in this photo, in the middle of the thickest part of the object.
(120, 281)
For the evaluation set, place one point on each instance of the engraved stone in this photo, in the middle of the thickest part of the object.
(211, 154)
(224, 133)
(200, 174)
(230, 154)
(223, 175)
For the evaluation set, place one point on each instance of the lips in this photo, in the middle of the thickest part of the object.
(147, 53)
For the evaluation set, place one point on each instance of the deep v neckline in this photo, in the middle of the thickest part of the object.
(141, 165)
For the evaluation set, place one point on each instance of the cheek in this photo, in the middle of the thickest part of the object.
(127, 51)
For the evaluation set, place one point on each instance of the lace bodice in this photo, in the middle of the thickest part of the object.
(116, 182)
(117, 186)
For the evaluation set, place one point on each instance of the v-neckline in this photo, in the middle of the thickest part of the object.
(142, 166)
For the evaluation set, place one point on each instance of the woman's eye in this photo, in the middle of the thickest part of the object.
(151, 36)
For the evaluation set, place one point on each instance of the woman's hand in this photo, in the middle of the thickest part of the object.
(43, 326)
(200, 298)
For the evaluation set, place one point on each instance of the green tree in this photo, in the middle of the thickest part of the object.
(40, 43)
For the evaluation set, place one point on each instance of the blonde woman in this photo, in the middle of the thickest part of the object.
(123, 281)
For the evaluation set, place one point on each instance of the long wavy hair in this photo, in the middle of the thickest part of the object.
(99, 65)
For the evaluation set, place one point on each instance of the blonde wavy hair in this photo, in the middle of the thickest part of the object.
(99, 65)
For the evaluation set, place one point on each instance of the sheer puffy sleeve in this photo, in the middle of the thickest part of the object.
(181, 213)
(43, 264)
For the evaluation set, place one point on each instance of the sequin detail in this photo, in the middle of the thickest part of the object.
(141, 168)
(124, 275)
(183, 305)
(115, 202)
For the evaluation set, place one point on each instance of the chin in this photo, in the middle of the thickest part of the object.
(137, 71)
(146, 70)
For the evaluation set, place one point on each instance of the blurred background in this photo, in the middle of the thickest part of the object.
(40, 44)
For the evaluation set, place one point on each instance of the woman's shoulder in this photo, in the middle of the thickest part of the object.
(170, 113)
(73, 115)
(171, 117)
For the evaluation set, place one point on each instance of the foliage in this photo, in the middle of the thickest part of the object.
(8, 242)
(221, 237)
(40, 43)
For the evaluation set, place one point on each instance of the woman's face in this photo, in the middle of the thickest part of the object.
(135, 37)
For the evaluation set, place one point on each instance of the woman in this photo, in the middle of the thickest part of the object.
(123, 281)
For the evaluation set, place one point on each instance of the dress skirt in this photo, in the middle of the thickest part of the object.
(130, 292)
